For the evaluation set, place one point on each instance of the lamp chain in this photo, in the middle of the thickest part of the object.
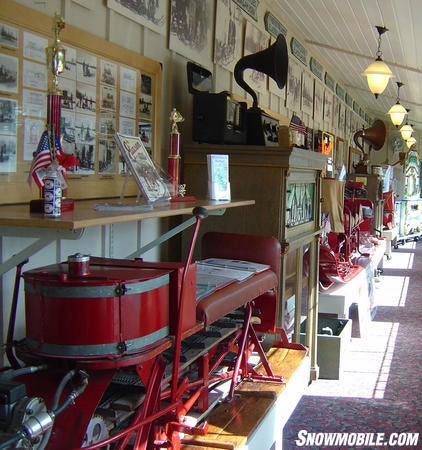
(379, 52)
(399, 85)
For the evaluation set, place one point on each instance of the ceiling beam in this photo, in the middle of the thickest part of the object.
(402, 99)
(360, 55)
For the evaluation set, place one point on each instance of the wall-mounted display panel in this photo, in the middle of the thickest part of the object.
(105, 88)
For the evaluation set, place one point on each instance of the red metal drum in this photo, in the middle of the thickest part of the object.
(109, 311)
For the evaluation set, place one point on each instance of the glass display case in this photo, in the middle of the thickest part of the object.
(408, 210)
(408, 215)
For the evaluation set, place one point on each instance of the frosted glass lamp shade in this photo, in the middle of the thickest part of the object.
(377, 75)
(397, 113)
(406, 131)
(411, 141)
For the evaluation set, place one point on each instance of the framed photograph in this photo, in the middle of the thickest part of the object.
(9, 36)
(324, 143)
(145, 133)
(228, 34)
(8, 116)
(152, 15)
(307, 93)
(294, 85)
(34, 46)
(34, 75)
(86, 68)
(108, 73)
(328, 106)
(318, 101)
(327, 144)
(341, 154)
(255, 41)
(355, 156)
(138, 161)
(191, 29)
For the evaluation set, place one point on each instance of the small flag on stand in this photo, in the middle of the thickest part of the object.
(298, 131)
(297, 125)
(43, 158)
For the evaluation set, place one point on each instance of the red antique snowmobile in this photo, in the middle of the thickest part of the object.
(118, 353)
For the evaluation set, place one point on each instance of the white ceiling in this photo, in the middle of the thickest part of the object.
(343, 34)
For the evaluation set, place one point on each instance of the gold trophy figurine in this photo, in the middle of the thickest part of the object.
(55, 53)
(175, 118)
(173, 161)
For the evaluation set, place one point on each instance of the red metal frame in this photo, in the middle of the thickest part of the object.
(336, 259)
(158, 419)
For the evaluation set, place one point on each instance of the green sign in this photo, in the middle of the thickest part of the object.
(316, 68)
(273, 25)
(249, 6)
(356, 107)
(329, 81)
(298, 50)
(340, 91)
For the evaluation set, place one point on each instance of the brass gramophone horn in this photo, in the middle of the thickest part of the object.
(374, 136)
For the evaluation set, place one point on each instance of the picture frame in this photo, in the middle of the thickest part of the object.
(293, 86)
(318, 102)
(153, 15)
(355, 156)
(307, 100)
(324, 143)
(192, 39)
(341, 154)
(142, 167)
(327, 144)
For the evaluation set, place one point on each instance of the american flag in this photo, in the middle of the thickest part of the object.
(297, 125)
(42, 159)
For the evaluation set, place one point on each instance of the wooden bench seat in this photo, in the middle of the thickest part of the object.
(255, 418)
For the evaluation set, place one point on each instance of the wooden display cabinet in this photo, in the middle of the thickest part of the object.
(285, 184)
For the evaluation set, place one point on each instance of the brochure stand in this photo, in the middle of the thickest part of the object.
(120, 206)
(139, 164)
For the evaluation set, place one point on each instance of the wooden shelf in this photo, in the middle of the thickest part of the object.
(84, 215)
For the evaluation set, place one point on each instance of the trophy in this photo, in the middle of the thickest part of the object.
(55, 54)
(178, 191)
(49, 174)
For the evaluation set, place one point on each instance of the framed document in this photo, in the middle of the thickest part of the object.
(355, 155)
(142, 167)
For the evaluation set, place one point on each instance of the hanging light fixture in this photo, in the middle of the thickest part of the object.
(378, 73)
(397, 111)
(406, 130)
(410, 142)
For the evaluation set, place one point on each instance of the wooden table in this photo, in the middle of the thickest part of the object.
(17, 221)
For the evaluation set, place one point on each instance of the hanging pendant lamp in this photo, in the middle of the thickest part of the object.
(378, 73)
(397, 111)
(406, 130)
(410, 142)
